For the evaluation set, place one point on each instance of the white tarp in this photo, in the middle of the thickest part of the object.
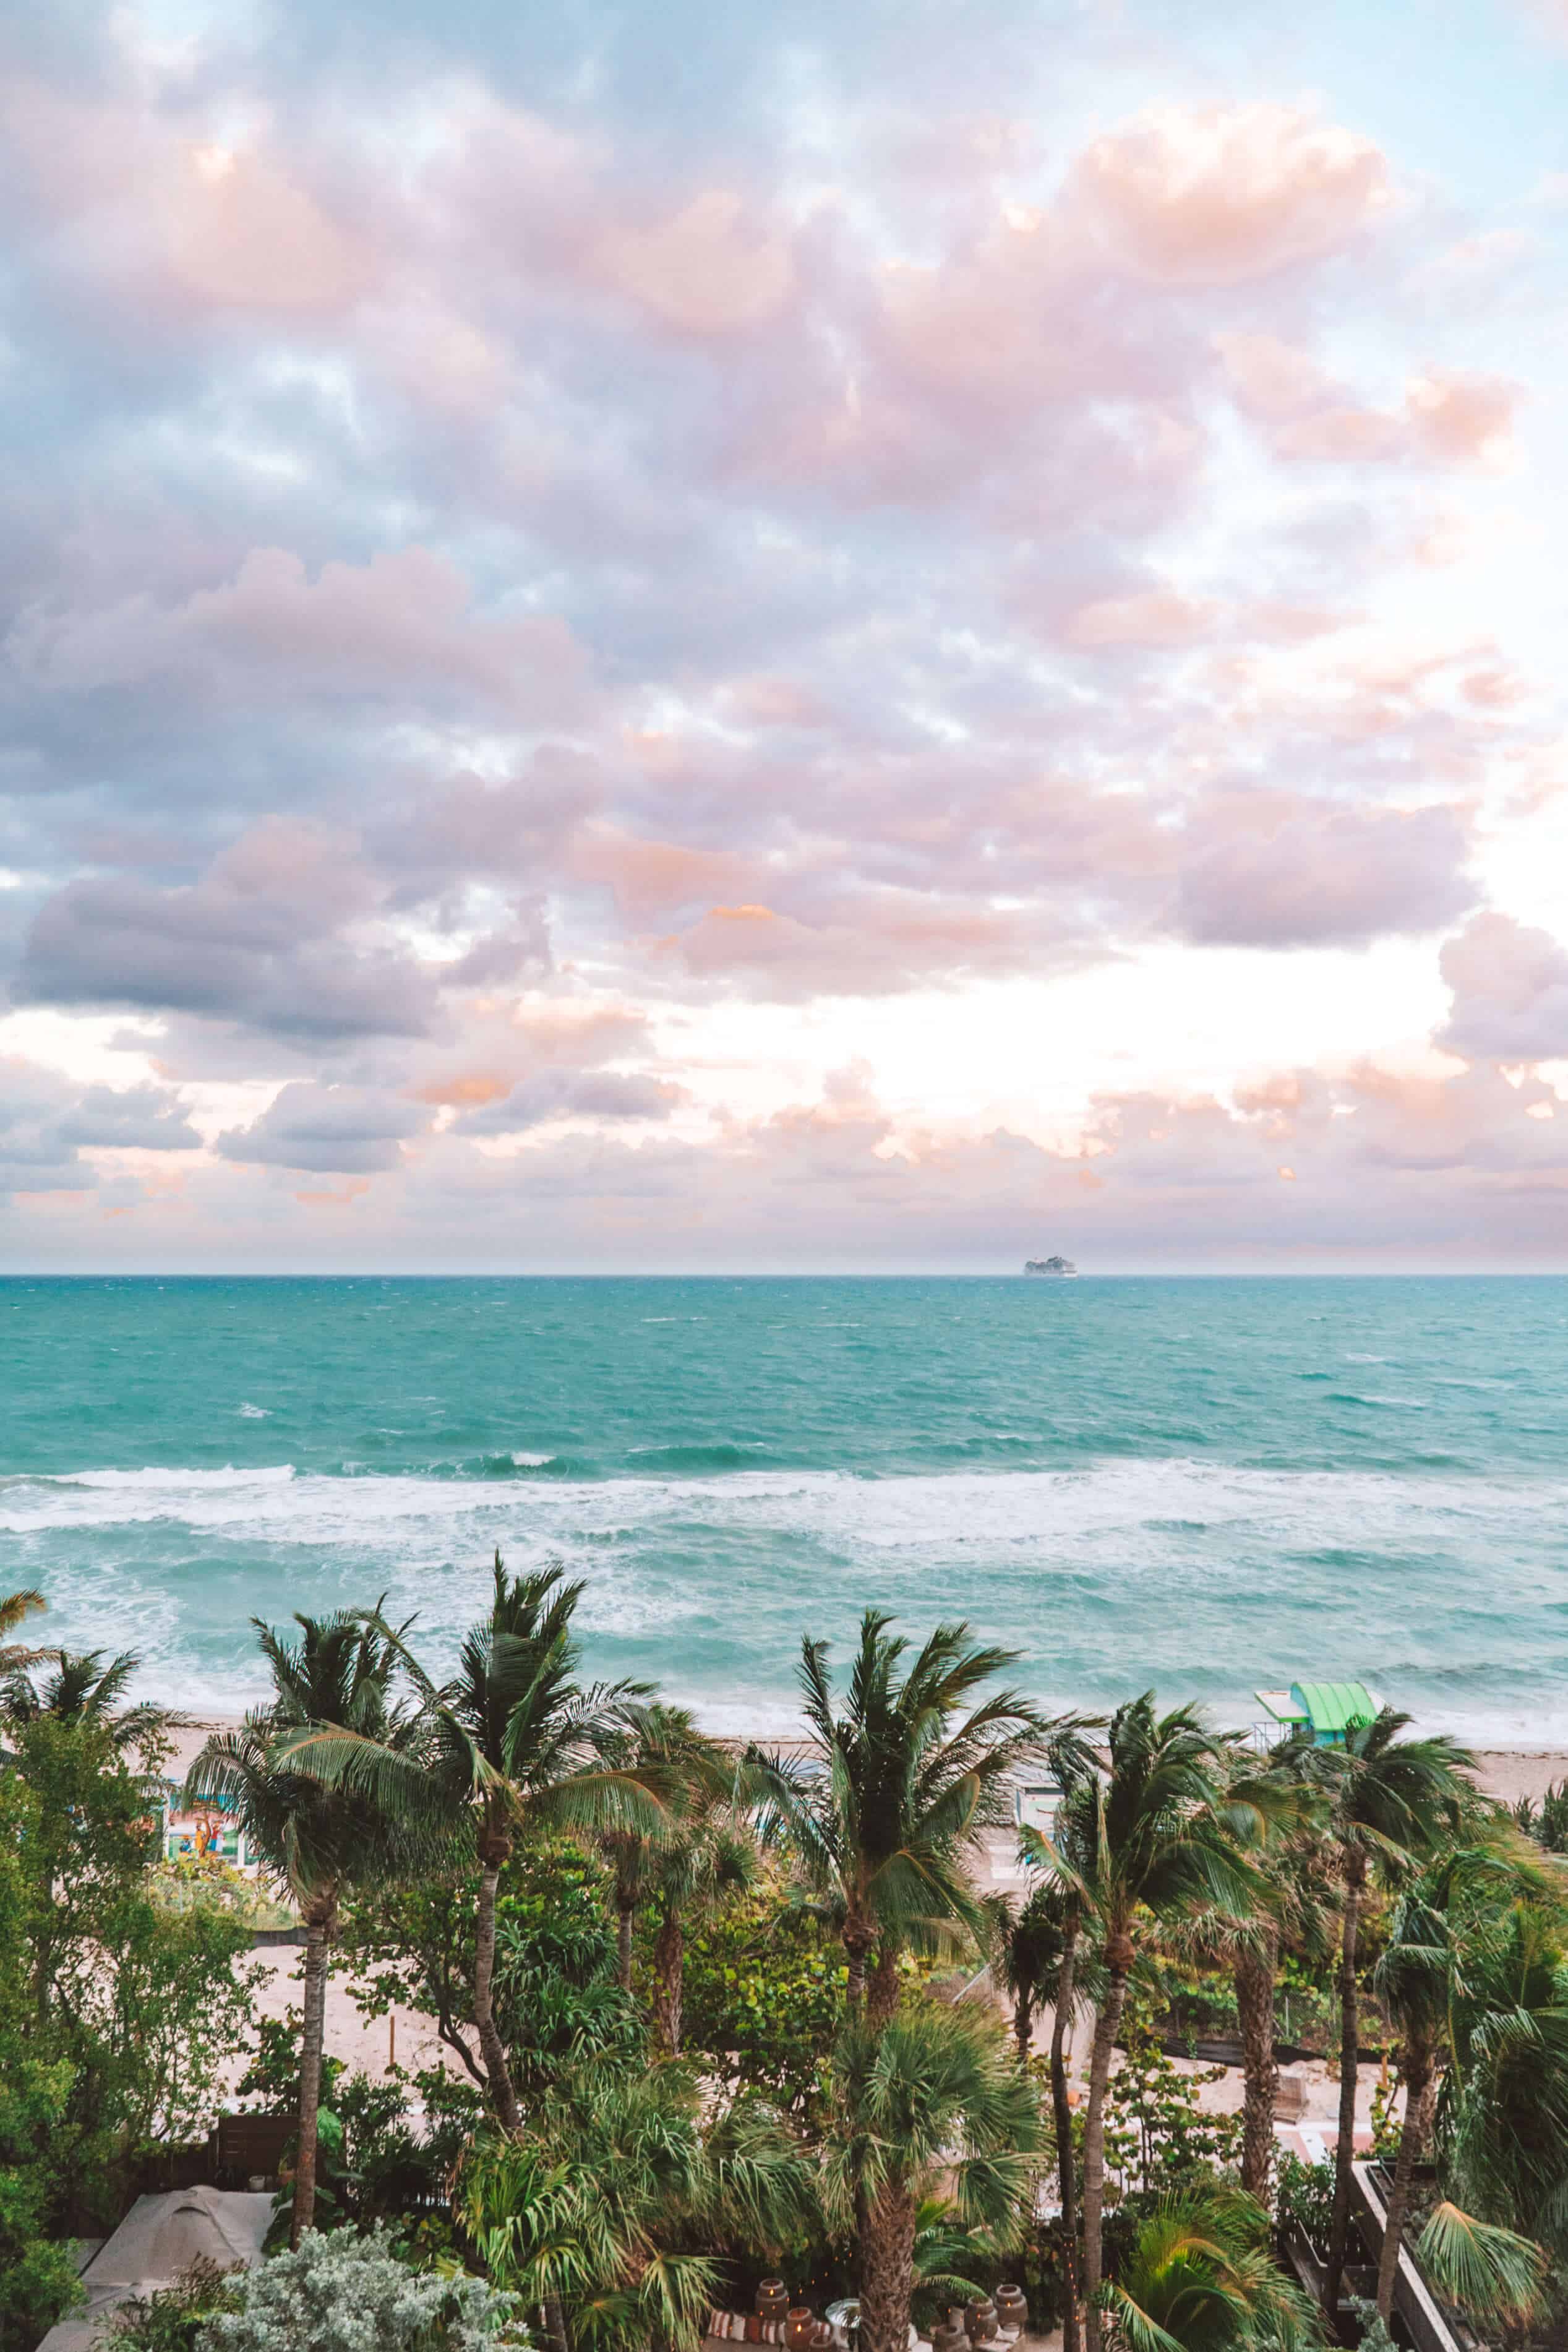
(159, 2237)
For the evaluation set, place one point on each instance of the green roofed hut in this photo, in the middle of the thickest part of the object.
(1323, 1712)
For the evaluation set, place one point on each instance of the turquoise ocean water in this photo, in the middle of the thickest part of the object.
(1201, 1484)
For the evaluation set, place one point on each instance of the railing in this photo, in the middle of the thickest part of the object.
(1262, 1736)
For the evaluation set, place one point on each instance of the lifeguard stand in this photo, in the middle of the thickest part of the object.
(1323, 1712)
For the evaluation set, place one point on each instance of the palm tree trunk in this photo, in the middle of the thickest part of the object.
(1349, 2053)
(882, 1990)
(1418, 2071)
(312, 2040)
(502, 2097)
(1253, 1973)
(1062, 2114)
(858, 1940)
(623, 1945)
(1023, 2025)
(1119, 1962)
(669, 1967)
(886, 2268)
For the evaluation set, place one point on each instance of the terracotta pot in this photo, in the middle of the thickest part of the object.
(1012, 2306)
(773, 2299)
(981, 2321)
(799, 2327)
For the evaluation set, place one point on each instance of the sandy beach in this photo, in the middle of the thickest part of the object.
(1507, 1773)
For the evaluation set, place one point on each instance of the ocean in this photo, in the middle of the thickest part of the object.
(1200, 1485)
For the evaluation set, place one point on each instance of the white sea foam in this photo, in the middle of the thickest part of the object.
(935, 1511)
(254, 1413)
(1188, 1572)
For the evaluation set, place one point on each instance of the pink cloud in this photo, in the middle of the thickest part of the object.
(403, 622)
(655, 879)
(1215, 195)
(1511, 992)
(707, 270)
(240, 231)
(1157, 616)
(870, 944)
(1269, 869)
(1446, 417)
(157, 209)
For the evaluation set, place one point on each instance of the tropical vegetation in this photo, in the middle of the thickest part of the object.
(705, 2015)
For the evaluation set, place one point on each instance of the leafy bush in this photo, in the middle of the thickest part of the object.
(375, 2161)
(206, 1882)
(343, 2293)
(1304, 2199)
(762, 2000)
(1158, 2135)
(172, 2318)
(128, 2014)
(555, 1991)
(1376, 2335)
(1546, 1822)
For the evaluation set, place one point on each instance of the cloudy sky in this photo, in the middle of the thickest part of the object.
(854, 633)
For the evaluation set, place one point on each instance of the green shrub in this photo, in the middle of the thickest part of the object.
(1304, 2199)
(762, 2000)
(171, 2319)
(343, 2293)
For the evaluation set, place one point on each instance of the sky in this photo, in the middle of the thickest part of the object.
(810, 637)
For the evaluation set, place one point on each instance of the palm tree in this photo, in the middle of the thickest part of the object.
(511, 1739)
(1153, 1836)
(707, 1855)
(1064, 1857)
(592, 2214)
(902, 1785)
(1502, 2120)
(1029, 1944)
(699, 1851)
(315, 1842)
(1492, 2274)
(1200, 2277)
(656, 1739)
(14, 1608)
(1269, 1811)
(1388, 1802)
(1433, 1923)
(83, 1689)
(930, 2098)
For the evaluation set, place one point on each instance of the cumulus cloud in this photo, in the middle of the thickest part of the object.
(1511, 992)
(338, 1130)
(1446, 417)
(520, 619)
(46, 1123)
(1277, 871)
(398, 625)
(1211, 195)
(263, 936)
(139, 1119)
(609, 1095)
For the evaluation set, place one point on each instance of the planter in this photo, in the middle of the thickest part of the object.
(1012, 2306)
